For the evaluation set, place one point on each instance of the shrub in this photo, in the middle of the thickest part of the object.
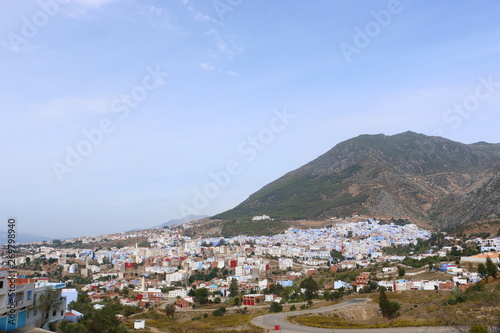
(476, 287)
(457, 298)
(217, 313)
(275, 307)
(388, 308)
(170, 310)
(153, 315)
(394, 308)
(478, 329)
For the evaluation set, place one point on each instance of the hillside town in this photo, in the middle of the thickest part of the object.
(163, 266)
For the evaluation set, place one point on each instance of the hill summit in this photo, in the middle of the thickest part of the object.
(427, 179)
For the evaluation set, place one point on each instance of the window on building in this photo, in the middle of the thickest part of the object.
(54, 313)
(62, 312)
(1, 284)
(28, 295)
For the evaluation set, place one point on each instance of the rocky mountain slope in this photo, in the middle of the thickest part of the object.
(430, 180)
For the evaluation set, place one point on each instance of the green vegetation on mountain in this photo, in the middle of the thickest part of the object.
(428, 180)
(300, 197)
(251, 228)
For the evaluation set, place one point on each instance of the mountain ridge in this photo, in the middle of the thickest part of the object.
(431, 180)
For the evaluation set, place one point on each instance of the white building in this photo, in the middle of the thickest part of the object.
(140, 324)
(177, 293)
(285, 263)
(492, 244)
(27, 292)
(261, 218)
(70, 294)
(341, 284)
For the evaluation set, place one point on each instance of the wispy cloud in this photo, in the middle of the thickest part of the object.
(62, 108)
(162, 18)
(211, 68)
(207, 67)
(156, 11)
(224, 44)
(202, 17)
(188, 5)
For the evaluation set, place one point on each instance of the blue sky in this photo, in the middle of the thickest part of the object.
(124, 114)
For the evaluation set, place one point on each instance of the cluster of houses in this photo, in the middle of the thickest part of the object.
(146, 275)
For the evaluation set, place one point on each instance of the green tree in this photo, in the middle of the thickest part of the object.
(233, 287)
(337, 256)
(45, 304)
(170, 310)
(311, 287)
(201, 295)
(105, 321)
(491, 268)
(401, 271)
(275, 307)
(83, 304)
(286, 293)
(336, 295)
(67, 327)
(389, 309)
(128, 311)
(125, 292)
(275, 288)
(481, 269)
(236, 301)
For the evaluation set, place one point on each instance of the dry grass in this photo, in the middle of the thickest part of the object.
(431, 276)
(336, 322)
(228, 323)
(419, 308)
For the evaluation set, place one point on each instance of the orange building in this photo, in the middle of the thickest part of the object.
(253, 299)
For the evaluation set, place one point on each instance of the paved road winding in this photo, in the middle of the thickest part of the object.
(269, 322)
